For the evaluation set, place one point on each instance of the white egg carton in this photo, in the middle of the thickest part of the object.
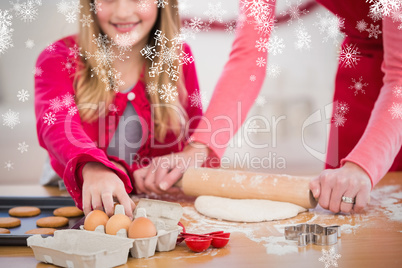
(76, 248)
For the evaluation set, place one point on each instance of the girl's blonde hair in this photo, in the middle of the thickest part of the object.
(92, 96)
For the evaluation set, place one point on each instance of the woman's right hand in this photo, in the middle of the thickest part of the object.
(101, 186)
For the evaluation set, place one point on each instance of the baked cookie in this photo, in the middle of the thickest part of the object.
(4, 231)
(9, 222)
(24, 211)
(46, 231)
(68, 212)
(52, 222)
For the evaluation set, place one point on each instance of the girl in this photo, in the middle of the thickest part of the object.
(113, 96)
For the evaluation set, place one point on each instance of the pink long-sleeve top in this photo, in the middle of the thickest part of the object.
(71, 143)
(382, 139)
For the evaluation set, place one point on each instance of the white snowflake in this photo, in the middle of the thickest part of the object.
(51, 48)
(49, 118)
(187, 32)
(330, 25)
(397, 91)
(68, 66)
(29, 43)
(339, 120)
(197, 98)
(196, 24)
(6, 31)
(37, 72)
(396, 110)
(261, 101)
(361, 25)
(11, 118)
(342, 108)
(152, 88)
(349, 55)
(56, 104)
(161, 3)
(9, 165)
(259, 10)
(262, 44)
(23, 95)
(70, 9)
(275, 45)
(273, 70)
(170, 56)
(86, 20)
(230, 27)
(168, 93)
(261, 62)
(125, 41)
(396, 16)
(329, 257)
(253, 78)
(143, 6)
(204, 176)
(67, 100)
(374, 31)
(26, 11)
(113, 108)
(183, 7)
(303, 38)
(75, 51)
(266, 26)
(381, 8)
(95, 7)
(215, 12)
(23, 147)
(293, 11)
(72, 110)
(358, 85)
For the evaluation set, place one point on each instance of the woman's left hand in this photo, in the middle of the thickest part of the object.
(349, 181)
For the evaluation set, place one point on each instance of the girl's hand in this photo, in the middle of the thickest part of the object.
(165, 171)
(100, 186)
(349, 181)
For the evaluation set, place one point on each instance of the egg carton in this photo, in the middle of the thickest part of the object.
(75, 248)
(164, 215)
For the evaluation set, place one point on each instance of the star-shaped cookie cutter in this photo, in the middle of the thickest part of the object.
(313, 233)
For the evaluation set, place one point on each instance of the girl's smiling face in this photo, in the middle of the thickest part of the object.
(120, 17)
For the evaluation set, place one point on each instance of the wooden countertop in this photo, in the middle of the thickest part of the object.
(370, 239)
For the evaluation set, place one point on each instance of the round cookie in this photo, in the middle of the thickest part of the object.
(68, 212)
(4, 231)
(52, 222)
(24, 211)
(45, 231)
(9, 222)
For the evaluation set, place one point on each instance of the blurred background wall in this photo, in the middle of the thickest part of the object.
(303, 86)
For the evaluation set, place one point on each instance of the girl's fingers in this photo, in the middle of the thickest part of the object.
(86, 202)
(340, 187)
(96, 201)
(149, 182)
(362, 198)
(126, 202)
(107, 199)
(171, 178)
(326, 191)
(315, 187)
(139, 178)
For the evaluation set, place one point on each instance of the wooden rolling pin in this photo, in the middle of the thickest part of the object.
(248, 185)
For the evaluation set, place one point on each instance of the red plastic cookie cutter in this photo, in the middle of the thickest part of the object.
(201, 242)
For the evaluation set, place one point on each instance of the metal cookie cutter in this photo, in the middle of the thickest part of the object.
(313, 233)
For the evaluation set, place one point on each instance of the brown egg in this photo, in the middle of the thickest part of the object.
(94, 219)
(116, 223)
(141, 227)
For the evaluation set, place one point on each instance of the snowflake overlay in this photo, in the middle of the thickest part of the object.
(49, 118)
(330, 25)
(152, 88)
(161, 3)
(262, 44)
(261, 62)
(37, 72)
(9, 165)
(261, 101)
(11, 118)
(342, 108)
(275, 45)
(396, 110)
(215, 12)
(23, 147)
(27, 11)
(5, 31)
(253, 78)
(69, 9)
(86, 20)
(329, 257)
(230, 27)
(23, 95)
(397, 91)
(197, 98)
(75, 51)
(259, 10)
(374, 31)
(204, 176)
(303, 38)
(168, 93)
(358, 86)
(29, 43)
(361, 25)
(95, 7)
(349, 55)
(293, 11)
(170, 57)
(273, 70)
(380, 8)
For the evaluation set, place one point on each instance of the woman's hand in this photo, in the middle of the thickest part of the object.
(165, 171)
(100, 186)
(348, 181)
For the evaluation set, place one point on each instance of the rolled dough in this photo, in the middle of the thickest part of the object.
(245, 210)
